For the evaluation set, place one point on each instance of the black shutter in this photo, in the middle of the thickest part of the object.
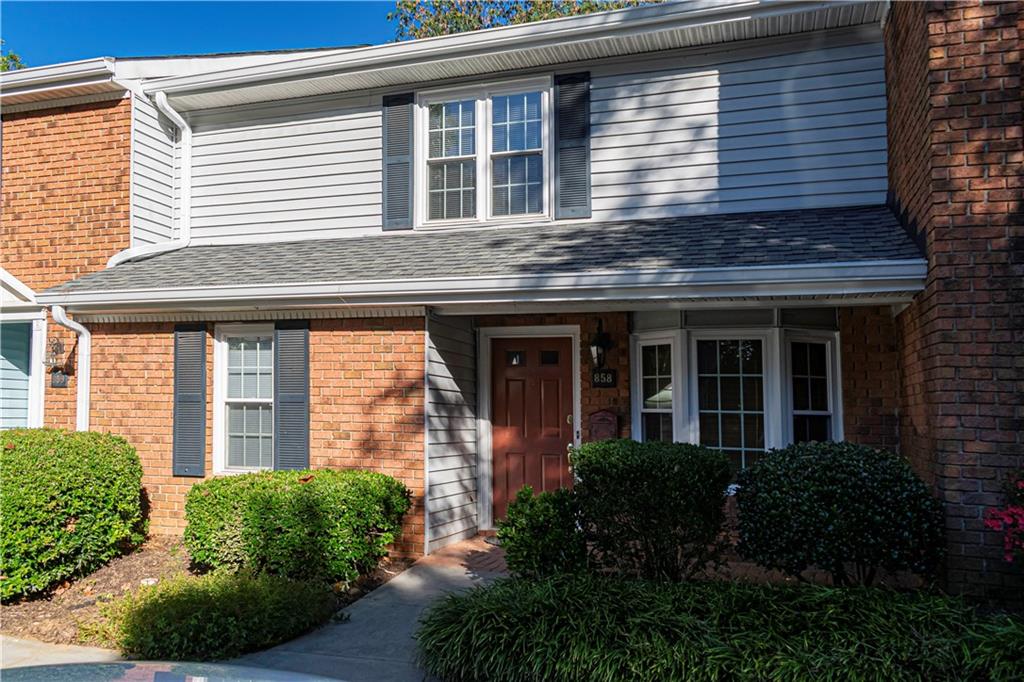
(398, 137)
(291, 394)
(572, 145)
(189, 448)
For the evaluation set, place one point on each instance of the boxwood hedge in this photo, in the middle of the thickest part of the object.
(327, 524)
(592, 628)
(70, 502)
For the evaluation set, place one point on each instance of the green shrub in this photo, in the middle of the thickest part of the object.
(597, 629)
(541, 535)
(212, 617)
(837, 505)
(70, 502)
(325, 524)
(651, 509)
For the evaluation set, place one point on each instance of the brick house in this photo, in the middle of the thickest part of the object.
(450, 259)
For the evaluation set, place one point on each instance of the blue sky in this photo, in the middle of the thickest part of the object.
(50, 32)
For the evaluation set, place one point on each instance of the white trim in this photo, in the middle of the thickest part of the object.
(37, 373)
(17, 286)
(676, 340)
(220, 381)
(482, 95)
(818, 279)
(705, 16)
(835, 385)
(257, 315)
(485, 456)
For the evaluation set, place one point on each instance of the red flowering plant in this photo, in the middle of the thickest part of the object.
(1010, 520)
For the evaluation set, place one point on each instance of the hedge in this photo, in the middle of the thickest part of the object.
(592, 628)
(212, 617)
(838, 506)
(324, 524)
(70, 502)
(653, 510)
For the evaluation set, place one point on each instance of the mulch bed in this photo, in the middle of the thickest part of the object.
(55, 616)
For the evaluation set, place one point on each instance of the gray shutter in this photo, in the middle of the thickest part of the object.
(398, 137)
(189, 449)
(291, 394)
(572, 145)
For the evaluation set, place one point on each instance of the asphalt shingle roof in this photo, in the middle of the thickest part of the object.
(808, 236)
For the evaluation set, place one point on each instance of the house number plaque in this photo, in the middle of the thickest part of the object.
(604, 378)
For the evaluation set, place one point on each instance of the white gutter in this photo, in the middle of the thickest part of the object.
(84, 370)
(185, 195)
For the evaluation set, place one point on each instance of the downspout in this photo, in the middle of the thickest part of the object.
(185, 227)
(84, 370)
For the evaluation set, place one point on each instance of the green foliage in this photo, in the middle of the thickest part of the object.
(431, 18)
(654, 510)
(70, 503)
(594, 629)
(540, 534)
(212, 617)
(327, 524)
(837, 505)
(9, 61)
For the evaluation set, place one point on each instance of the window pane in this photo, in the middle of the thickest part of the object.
(250, 368)
(451, 183)
(657, 427)
(517, 185)
(250, 436)
(808, 427)
(451, 129)
(730, 400)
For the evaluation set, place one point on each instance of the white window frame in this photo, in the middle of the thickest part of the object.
(220, 391)
(482, 94)
(835, 397)
(675, 340)
(771, 385)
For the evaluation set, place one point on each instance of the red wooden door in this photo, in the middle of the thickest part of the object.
(531, 420)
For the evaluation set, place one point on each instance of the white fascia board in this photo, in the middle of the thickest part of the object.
(77, 70)
(836, 279)
(516, 37)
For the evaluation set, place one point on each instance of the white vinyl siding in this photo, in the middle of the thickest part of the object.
(774, 125)
(452, 437)
(153, 165)
(15, 354)
(287, 170)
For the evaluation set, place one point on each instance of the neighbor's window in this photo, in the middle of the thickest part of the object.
(812, 413)
(730, 397)
(249, 401)
(500, 136)
(451, 160)
(656, 384)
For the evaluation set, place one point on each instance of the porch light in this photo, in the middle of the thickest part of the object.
(600, 344)
(54, 353)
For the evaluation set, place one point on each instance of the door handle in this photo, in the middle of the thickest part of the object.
(568, 418)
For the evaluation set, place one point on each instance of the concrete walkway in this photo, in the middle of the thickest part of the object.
(376, 642)
(19, 653)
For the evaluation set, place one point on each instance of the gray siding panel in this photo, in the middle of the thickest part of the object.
(287, 170)
(774, 125)
(153, 168)
(451, 430)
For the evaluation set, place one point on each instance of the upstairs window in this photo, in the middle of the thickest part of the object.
(484, 154)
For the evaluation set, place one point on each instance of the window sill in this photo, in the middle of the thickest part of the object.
(482, 224)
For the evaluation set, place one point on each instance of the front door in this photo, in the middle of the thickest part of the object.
(531, 421)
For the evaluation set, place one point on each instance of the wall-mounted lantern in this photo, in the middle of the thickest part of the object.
(54, 354)
(600, 344)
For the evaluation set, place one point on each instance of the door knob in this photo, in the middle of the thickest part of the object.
(568, 418)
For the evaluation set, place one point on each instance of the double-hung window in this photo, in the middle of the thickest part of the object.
(656, 421)
(245, 397)
(484, 154)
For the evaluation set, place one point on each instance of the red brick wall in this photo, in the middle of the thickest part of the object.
(961, 340)
(366, 405)
(591, 399)
(64, 205)
(870, 375)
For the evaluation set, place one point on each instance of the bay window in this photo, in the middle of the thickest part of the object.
(742, 391)
(484, 154)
